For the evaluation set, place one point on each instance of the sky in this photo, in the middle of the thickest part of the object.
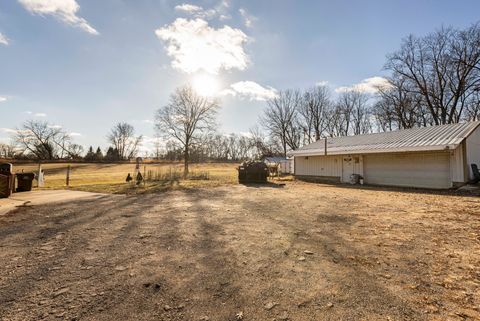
(87, 64)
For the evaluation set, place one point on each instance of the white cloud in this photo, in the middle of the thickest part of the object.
(196, 11)
(224, 17)
(3, 40)
(2, 99)
(368, 85)
(248, 19)
(75, 134)
(55, 126)
(64, 10)
(322, 83)
(250, 90)
(199, 12)
(224, 4)
(28, 112)
(8, 130)
(195, 46)
(186, 7)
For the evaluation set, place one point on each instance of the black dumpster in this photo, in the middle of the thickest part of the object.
(7, 180)
(25, 182)
(252, 172)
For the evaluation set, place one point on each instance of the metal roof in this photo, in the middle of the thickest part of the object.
(274, 159)
(431, 138)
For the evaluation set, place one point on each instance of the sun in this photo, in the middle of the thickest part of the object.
(205, 85)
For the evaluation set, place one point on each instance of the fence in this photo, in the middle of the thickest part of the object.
(60, 175)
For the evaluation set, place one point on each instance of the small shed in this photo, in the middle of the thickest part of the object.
(427, 157)
(283, 164)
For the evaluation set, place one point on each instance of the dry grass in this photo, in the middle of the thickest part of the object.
(110, 178)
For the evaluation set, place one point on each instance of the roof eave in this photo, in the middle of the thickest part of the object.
(321, 152)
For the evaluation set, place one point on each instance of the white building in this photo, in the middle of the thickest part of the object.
(284, 165)
(429, 157)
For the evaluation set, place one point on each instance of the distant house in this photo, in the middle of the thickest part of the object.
(285, 165)
(428, 157)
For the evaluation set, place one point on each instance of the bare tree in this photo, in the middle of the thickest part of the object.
(123, 139)
(157, 148)
(43, 140)
(217, 146)
(7, 150)
(443, 68)
(75, 151)
(354, 112)
(233, 146)
(280, 118)
(244, 150)
(313, 112)
(472, 111)
(261, 145)
(398, 107)
(187, 118)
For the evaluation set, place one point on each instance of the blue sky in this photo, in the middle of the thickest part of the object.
(87, 64)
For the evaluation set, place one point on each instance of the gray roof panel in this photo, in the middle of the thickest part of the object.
(415, 139)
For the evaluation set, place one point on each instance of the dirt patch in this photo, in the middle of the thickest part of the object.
(303, 252)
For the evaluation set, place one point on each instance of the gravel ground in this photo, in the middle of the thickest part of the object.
(301, 252)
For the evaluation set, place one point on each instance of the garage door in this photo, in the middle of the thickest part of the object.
(429, 170)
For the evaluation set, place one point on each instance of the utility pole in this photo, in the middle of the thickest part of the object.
(69, 168)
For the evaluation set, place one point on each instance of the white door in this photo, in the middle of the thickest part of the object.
(347, 168)
(428, 170)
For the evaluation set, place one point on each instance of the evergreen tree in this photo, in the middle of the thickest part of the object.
(112, 154)
(90, 156)
(99, 154)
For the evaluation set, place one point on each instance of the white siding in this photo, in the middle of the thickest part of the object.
(456, 165)
(352, 164)
(473, 151)
(285, 166)
(429, 170)
(358, 167)
(327, 166)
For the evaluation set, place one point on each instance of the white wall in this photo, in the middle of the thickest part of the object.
(285, 166)
(473, 150)
(351, 164)
(450, 167)
(358, 167)
(456, 165)
(427, 169)
(328, 166)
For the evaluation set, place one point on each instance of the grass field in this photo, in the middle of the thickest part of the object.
(110, 178)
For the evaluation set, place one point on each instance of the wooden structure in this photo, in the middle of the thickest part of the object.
(7, 180)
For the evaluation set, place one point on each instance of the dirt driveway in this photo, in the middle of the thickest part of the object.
(42, 197)
(302, 252)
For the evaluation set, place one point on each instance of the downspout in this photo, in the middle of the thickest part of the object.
(325, 146)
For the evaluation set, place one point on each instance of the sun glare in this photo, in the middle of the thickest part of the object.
(205, 85)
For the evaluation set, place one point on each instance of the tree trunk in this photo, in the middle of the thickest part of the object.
(187, 159)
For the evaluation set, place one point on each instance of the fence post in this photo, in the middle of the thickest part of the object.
(69, 167)
(39, 173)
